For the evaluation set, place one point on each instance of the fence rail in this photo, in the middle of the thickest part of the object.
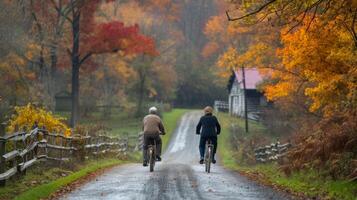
(221, 106)
(271, 152)
(38, 144)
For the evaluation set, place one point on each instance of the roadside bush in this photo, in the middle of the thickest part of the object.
(28, 117)
(330, 145)
(91, 130)
(243, 144)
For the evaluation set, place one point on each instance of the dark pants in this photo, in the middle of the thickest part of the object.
(149, 139)
(203, 145)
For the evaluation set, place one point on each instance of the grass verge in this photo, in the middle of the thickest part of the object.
(41, 181)
(119, 122)
(170, 120)
(45, 190)
(308, 183)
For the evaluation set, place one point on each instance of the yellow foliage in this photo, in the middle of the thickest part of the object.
(320, 62)
(130, 13)
(27, 116)
(33, 49)
(281, 90)
(115, 67)
(13, 68)
(325, 59)
(229, 60)
(216, 27)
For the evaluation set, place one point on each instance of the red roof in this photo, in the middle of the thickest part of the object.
(252, 77)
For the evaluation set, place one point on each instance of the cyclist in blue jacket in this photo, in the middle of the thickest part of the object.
(208, 127)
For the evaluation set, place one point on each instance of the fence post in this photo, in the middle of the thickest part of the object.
(2, 152)
(79, 143)
(126, 147)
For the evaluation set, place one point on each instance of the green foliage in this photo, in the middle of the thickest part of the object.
(118, 124)
(238, 144)
(198, 83)
(309, 182)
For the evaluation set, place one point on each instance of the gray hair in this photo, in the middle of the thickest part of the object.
(153, 110)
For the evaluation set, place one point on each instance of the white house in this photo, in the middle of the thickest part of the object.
(255, 99)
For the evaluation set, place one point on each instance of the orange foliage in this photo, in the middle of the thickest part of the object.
(313, 67)
(168, 8)
(209, 49)
(324, 57)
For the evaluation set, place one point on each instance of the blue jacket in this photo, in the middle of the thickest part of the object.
(208, 126)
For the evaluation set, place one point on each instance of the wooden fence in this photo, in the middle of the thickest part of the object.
(221, 106)
(21, 150)
(271, 152)
(140, 142)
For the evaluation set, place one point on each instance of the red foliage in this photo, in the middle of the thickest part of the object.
(94, 38)
(114, 36)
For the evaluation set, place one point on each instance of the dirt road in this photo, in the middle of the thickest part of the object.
(178, 176)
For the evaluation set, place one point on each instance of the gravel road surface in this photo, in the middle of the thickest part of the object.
(178, 176)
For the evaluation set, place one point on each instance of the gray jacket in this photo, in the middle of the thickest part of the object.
(152, 125)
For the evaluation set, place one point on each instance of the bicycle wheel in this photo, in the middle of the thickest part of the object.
(206, 165)
(209, 160)
(151, 159)
(206, 158)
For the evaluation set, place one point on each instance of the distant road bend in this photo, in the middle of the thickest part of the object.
(178, 176)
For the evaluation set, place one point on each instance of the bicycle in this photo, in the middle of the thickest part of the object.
(208, 155)
(152, 155)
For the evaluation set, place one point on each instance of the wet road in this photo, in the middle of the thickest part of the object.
(178, 176)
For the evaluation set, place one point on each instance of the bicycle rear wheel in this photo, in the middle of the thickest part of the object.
(209, 159)
(151, 159)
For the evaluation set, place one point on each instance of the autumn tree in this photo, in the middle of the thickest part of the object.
(89, 38)
(313, 64)
(45, 30)
(112, 79)
(305, 25)
(17, 79)
(149, 81)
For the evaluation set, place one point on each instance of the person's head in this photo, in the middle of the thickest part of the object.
(153, 110)
(208, 110)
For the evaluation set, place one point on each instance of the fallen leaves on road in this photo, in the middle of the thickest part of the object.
(75, 185)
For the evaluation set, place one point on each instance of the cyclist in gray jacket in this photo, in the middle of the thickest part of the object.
(152, 128)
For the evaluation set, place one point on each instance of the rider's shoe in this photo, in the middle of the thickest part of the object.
(158, 158)
(214, 161)
(145, 163)
(201, 161)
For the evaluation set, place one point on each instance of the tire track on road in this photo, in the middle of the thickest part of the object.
(178, 176)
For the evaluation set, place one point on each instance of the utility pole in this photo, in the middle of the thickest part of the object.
(245, 101)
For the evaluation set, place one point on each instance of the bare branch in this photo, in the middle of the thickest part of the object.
(314, 5)
(287, 72)
(251, 13)
(353, 27)
(313, 16)
(85, 58)
(63, 12)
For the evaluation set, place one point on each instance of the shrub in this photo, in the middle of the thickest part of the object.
(331, 145)
(28, 117)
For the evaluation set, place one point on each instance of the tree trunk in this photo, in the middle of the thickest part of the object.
(53, 72)
(141, 94)
(75, 69)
